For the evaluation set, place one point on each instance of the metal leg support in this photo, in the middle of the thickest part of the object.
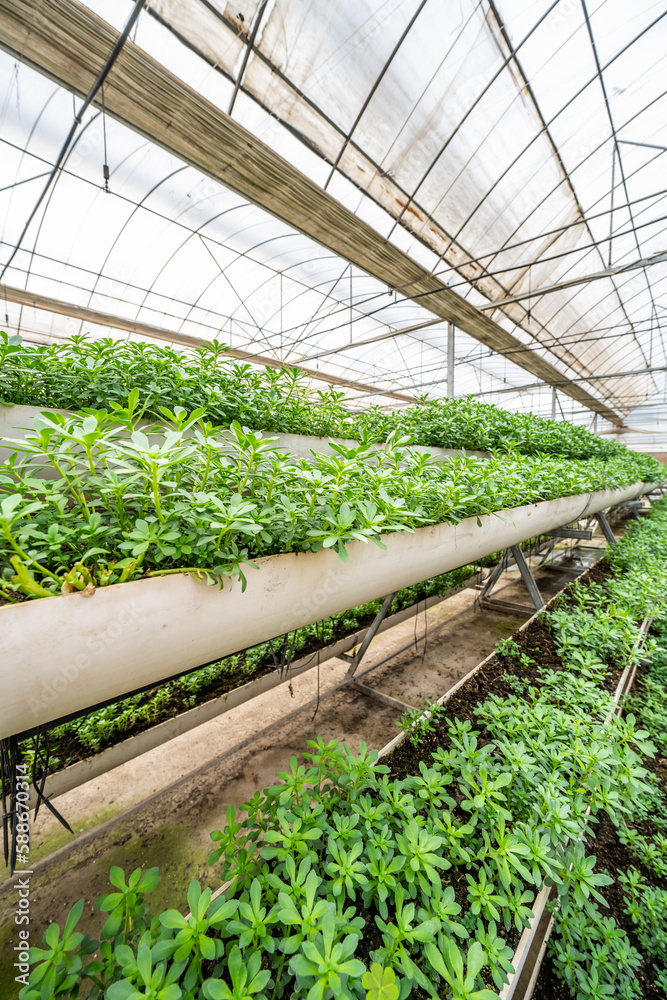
(493, 578)
(527, 577)
(354, 661)
(606, 528)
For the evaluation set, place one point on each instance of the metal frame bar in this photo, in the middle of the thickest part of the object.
(384, 699)
(583, 533)
(545, 130)
(600, 76)
(519, 559)
(527, 577)
(605, 527)
(354, 661)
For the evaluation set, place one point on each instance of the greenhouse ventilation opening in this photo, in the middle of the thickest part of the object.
(312, 314)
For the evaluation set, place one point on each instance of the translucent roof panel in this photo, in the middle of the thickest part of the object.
(509, 147)
(489, 131)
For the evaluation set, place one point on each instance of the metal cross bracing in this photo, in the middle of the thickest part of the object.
(513, 555)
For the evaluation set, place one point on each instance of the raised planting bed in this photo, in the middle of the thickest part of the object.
(96, 373)
(17, 420)
(64, 654)
(123, 731)
(351, 877)
(533, 646)
(630, 846)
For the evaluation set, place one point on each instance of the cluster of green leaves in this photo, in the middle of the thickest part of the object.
(106, 726)
(416, 723)
(344, 882)
(647, 908)
(91, 500)
(511, 650)
(95, 373)
(594, 955)
(591, 952)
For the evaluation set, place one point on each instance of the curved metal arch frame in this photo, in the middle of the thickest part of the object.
(369, 97)
(510, 58)
(543, 131)
(596, 244)
(301, 95)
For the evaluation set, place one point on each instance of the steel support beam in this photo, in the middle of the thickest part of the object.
(493, 578)
(606, 528)
(354, 661)
(527, 576)
(69, 43)
(385, 699)
(450, 360)
(493, 602)
(656, 258)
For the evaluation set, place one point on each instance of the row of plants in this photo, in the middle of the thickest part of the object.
(91, 500)
(357, 879)
(596, 953)
(95, 373)
(83, 737)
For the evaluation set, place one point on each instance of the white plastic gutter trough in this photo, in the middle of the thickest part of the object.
(17, 420)
(61, 655)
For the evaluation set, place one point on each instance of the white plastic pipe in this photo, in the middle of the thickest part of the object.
(61, 655)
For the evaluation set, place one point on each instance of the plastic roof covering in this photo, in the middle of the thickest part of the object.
(484, 152)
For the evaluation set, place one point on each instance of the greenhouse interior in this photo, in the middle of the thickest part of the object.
(333, 513)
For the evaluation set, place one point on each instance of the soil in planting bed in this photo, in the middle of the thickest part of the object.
(535, 640)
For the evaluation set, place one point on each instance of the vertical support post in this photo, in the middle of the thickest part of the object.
(606, 528)
(527, 577)
(450, 360)
(370, 635)
(553, 403)
(595, 422)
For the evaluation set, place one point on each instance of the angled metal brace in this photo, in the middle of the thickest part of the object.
(606, 528)
(527, 576)
(551, 545)
(354, 661)
(493, 578)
